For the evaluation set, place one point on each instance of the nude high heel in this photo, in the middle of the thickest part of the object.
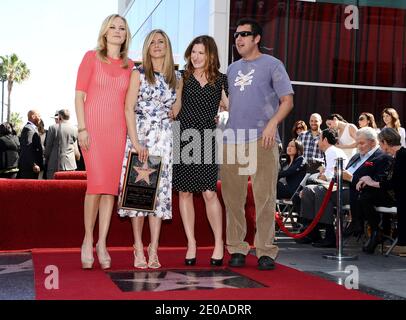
(105, 261)
(139, 259)
(153, 262)
(87, 262)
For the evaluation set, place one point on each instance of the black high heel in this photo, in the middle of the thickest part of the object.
(216, 262)
(190, 262)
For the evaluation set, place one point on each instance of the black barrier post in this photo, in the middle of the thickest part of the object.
(339, 218)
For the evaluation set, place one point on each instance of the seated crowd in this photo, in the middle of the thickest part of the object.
(372, 176)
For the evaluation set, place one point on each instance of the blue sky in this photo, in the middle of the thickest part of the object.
(51, 36)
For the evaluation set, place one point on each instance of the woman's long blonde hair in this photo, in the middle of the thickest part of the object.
(102, 41)
(169, 65)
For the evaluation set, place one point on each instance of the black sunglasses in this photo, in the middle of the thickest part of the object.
(361, 118)
(243, 34)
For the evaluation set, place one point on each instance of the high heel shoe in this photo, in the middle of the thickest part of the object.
(87, 262)
(216, 262)
(153, 261)
(190, 262)
(139, 259)
(105, 261)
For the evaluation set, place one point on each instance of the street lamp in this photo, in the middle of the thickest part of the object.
(3, 79)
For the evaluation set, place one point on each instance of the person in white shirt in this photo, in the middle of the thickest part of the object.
(327, 144)
(312, 195)
(346, 133)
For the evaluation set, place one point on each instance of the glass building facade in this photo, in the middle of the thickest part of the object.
(182, 20)
(343, 56)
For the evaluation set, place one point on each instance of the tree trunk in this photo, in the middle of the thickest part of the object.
(9, 87)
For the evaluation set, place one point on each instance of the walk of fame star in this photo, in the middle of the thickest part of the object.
(176, 281)
(181, 280)
(143, 173)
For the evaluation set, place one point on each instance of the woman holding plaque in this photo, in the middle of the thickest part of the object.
(204, 90)
(150, 99)
(102, 82)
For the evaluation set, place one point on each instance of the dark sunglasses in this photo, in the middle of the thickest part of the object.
(361, 118)
(299, 128)
(243, 34)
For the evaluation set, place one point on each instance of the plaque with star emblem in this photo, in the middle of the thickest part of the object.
(141, 183)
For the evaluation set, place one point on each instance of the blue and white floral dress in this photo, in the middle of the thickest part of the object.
(154, 128)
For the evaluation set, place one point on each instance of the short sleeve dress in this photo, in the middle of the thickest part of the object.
(197, 170)
(154, 129)
(105, 85)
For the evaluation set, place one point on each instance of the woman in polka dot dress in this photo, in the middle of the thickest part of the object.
(203, 91)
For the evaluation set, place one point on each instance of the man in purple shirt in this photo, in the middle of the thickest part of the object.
(261, 96)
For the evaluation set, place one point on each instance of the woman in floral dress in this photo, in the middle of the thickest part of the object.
(151, 95)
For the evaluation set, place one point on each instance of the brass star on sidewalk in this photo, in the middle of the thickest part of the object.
(143, 173)
(177, 281)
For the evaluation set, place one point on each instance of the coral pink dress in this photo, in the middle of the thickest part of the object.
(105, 86)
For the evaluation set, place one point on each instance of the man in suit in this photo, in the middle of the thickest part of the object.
(370, 160)
(61, 150)
(31, 158)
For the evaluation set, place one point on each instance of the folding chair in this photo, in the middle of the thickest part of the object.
(285, 207)
(393, 240)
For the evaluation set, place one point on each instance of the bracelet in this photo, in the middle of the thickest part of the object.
(81, 130)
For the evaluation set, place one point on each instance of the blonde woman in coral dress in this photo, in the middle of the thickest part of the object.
(102, 83)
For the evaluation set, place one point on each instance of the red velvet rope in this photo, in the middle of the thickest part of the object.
(315, 220)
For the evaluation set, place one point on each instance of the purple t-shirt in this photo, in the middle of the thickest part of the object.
(255, 89)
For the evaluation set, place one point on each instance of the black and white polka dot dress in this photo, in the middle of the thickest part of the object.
(197, 170)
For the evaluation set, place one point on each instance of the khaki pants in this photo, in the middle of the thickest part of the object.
(234, 190)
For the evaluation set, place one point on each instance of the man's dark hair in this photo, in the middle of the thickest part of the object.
(255, 27)
(331, 136)
(391, 136)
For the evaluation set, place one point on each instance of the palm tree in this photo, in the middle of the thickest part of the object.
(16, 71)
(17, 121)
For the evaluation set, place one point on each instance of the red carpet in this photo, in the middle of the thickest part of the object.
(76, 284)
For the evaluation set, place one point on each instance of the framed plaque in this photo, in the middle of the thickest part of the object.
(141, 183)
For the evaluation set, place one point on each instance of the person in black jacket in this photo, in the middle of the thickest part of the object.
(292, 171)
(389, 140)
(31, 157)
(369, 160)
(9, 151)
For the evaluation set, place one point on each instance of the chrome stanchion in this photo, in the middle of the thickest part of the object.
(339, 219)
